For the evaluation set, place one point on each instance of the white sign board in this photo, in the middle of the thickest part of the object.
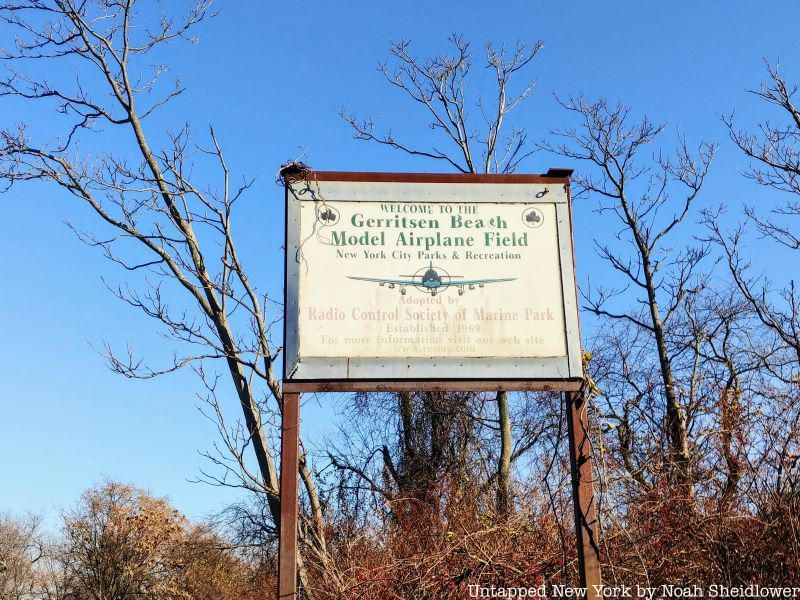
(430, 277)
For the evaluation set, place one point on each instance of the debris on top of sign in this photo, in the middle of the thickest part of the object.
(294, 170)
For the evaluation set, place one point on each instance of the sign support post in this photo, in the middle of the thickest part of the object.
(580, 454)
(290, 465)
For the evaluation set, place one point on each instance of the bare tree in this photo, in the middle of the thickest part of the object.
(638, 193)
(775, 153)
(120, 543)
(438, 85)
(21, 548)
(157, 218)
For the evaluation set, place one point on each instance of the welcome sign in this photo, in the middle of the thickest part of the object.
(430, 277)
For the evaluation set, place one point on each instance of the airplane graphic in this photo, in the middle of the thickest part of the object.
(432, 281)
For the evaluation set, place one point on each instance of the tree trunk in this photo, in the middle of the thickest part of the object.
(680, 466)
(504, 463)
(731, 412)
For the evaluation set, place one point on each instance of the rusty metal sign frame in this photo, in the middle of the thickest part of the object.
(572, 386)
(298, 367)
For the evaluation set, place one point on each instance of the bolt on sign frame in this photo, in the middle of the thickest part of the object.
(431, 282)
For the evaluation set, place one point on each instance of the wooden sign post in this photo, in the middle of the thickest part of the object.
(399, 282)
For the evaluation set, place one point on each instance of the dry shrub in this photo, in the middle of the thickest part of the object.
(435, 550)
(666, 538)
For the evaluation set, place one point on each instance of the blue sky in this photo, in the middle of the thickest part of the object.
(270, 79)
